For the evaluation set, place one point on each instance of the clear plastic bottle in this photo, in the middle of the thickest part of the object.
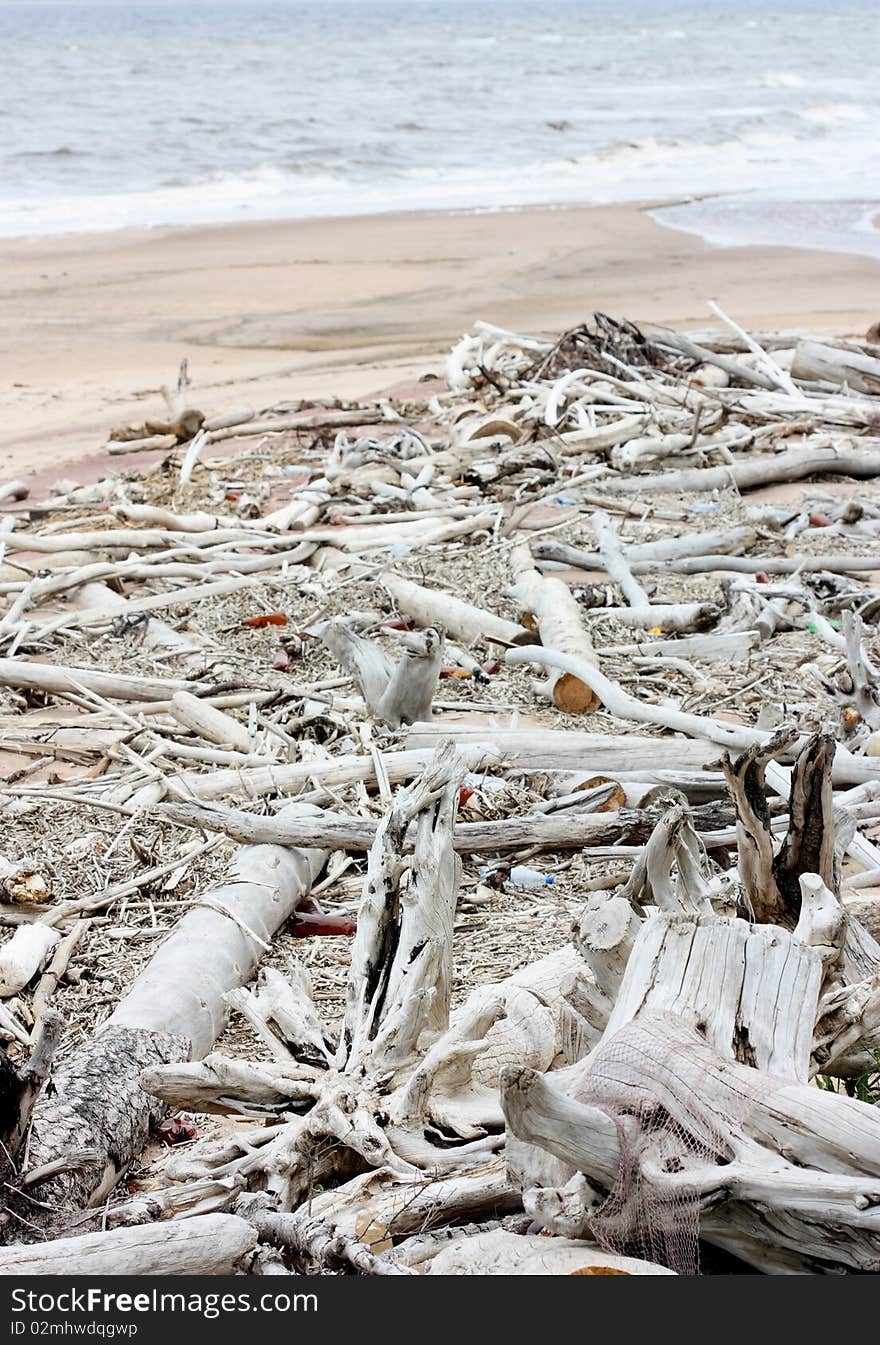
(522, 876)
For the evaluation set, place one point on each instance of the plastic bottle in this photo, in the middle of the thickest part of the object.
(522, 876)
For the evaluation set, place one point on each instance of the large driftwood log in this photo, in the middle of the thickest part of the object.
(502, 1253)
(397, 999)
(694, 1116)
(175, 1009)
(69, 681)
(559, 749)
(846, 768)
(209, 1244)
(686, 1126)
(818, 363)
(689, 1144)
(253, 782)
(567, 830)
(412, 1092)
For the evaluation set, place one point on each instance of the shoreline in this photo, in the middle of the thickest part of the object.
(867, 216)
(94, 324)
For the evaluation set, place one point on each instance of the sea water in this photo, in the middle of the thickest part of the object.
(757, 120)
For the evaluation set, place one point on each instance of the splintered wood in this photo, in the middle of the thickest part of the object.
(451, 822)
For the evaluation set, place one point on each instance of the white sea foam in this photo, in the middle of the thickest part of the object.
(833, 114)
(783, 79)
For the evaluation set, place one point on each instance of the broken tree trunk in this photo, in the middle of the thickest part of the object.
(395, 693)
(694, 1117)
(411, 1092)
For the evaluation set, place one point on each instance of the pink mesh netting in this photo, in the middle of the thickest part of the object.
(652, 1211)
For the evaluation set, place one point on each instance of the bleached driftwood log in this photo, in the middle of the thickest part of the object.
(556, 616)
(559, 749)
(397, 991)
(615, 562)
(209, 1244)
(729, 542)
(732, 648)
(571, 829)
(676, 616)
(174, 1010)
(209, 722)
(253, 782)
(70, 681)
(846, 768)
(501, 1253)
(792, 465)
(818, 363)
(405, 1073)
(460, 620)
(22, 955)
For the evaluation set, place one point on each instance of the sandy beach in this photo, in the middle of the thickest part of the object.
(92, 325)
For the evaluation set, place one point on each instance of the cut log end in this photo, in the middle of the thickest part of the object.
(574, 696)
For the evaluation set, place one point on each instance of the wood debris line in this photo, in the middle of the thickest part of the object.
(441, 833)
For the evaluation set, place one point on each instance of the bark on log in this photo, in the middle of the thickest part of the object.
(174, 1010)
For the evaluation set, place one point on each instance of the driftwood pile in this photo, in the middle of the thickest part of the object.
(572, 745)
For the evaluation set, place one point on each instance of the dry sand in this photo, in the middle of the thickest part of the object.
(91, 325)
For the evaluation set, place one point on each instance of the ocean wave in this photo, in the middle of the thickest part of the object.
(782, 79)
(834, 114)
(639, 169)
